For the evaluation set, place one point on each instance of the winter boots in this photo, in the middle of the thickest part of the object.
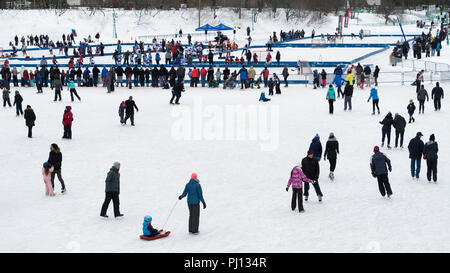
(331, 176)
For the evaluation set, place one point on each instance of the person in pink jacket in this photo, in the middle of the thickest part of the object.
(296, 180)
(47, 175)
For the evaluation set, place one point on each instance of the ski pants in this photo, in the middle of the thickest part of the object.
(67, 132)
(297, 197)
(332, 164)
(129, 116)
(339, 92)
(421, 105)
(415, 167)
(384, 134)
(19, 108)
(74, 92)
(316, 188)
(57, 94)
(331, 107)
(58, 173)
(437, 104)
(30, 131)
(383, 184)
(6, 101)
(375, 104)
(114, 196)
(432, 169)
(194, 217)
(348, 101)
(397, 135)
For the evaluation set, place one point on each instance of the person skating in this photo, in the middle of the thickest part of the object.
(387, 122)
(316, 147)
(55, 160)
(348, 93)
(411, 108)
(129, 111)
(421, 96)
(338, 82)
(436, 95)
(176, 92)
(285, 74)
(57, 84)
(311, 169)
(430, 155)
(194, 193)
(415, 148)
(73, 91)
(47, 171)
(296, 181)
(399, 124)
(331, 152)
(331, 97)
(18, 103)
(112, 191)
(6, 99)
(30, 119)
(122, 108)
(67, 123)
(379, 165)
(375, 100)
(147, 228)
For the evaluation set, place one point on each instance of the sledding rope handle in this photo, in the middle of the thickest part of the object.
(176, 202)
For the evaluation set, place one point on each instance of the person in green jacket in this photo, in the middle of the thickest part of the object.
(112, 190)
(430, 151)
(331, 97)
(73, 91)
(194, 193)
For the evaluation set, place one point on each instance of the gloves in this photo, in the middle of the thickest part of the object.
(390, 169)
(180, 197)
(204, 205)
(374, 175)
(287, 188)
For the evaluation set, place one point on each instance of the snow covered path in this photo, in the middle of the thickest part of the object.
(244, 186)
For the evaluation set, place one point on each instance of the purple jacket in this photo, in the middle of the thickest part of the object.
(297, 178)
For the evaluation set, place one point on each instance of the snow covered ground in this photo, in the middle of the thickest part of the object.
(243, 182)
(243, 179)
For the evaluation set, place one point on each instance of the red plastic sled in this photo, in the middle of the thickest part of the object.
(147, 238)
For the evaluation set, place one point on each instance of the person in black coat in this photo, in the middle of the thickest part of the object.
(437, 94)
(95, 73)
(147, 76)
(415, 148)
(30, 118)
(55, 160)
(399, 124)
(155, 76)
(430, 154)
(129, 110)
(331, 151)
(386, 129)
(119, 73)
(18, 103)
(136, 75)
(176, 92)
(378, 163)
(172, 76)
(311, 169)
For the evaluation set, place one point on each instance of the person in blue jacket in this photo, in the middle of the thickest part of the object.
(316, 147)
(104, 73)
(375, 99)
(243, 76)
(263, 98)
(338, 82)
(193, 190)
(147, 227)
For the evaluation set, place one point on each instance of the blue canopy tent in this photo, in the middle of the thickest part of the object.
(205, 28)
(222, 27)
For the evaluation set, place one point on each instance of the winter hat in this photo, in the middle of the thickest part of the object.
(432, 137)
(310, 152)
(68, 107)
(116, 164)
(193, 176)
(46, 165)
(419, 134)
(147, 218)
(331, 134)
(123, 103)
(376, 149)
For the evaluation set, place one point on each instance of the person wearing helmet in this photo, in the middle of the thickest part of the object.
(147, 228)
(378, 163)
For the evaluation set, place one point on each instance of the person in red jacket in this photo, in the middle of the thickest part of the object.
(265, 73)
(194, 75)
(203, 73)
(67, 122)
(26, 78)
